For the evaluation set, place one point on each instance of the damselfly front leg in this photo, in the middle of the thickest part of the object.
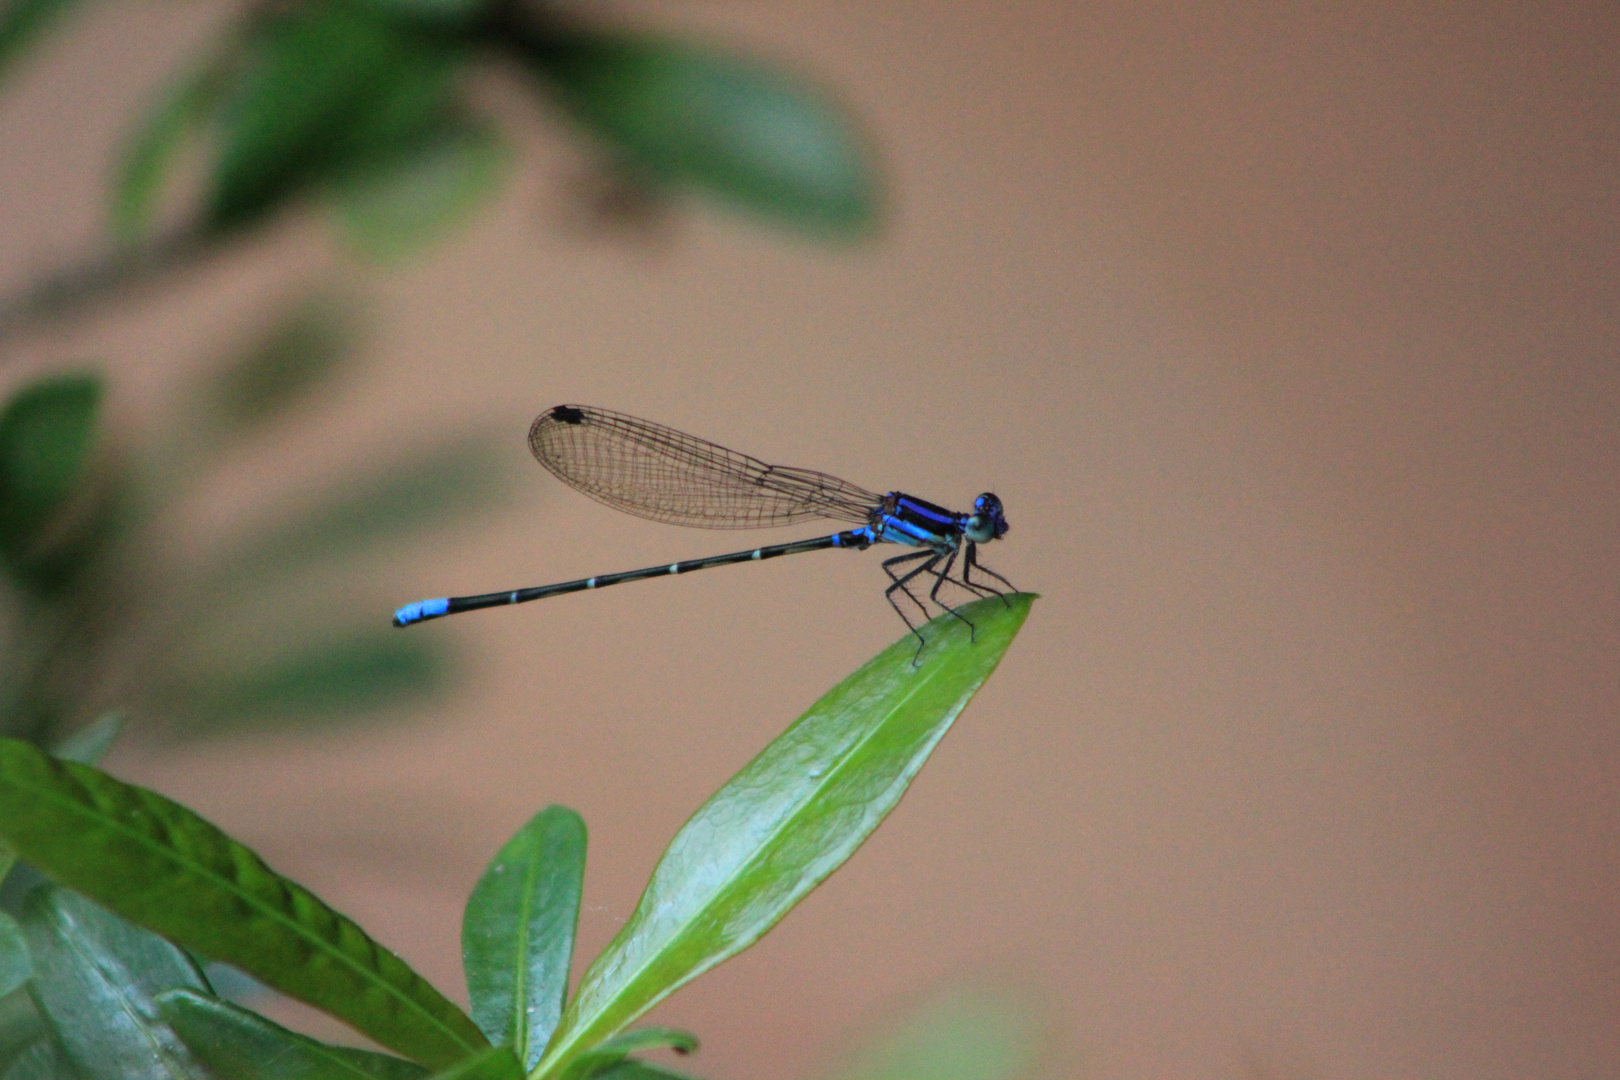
(971, 562)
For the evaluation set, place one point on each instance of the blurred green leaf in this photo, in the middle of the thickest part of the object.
(23, 20)
(234, 1042)
(635, 1069)
(162, 866)
(14, 964)
(42, 1060)
(436, 484)
(20, 1023)
(394, 210)
(304, 344)
(965, 1033)
(517, 935)
(370, 669)
(444, 13)
(91, 742)
(749, 132)
(137, 187)
(496, 1063)
(46, 433)
(787, 820)
(327, 91)
(95, 979)
(608, 1054)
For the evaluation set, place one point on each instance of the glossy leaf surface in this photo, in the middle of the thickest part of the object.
(517, 936)
(746, 131)
(160, 865)
(96, 979)
(232, 1041)
(787, 820)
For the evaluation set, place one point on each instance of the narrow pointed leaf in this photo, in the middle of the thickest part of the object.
(787, 820)
(517, 936)
(138, 187)
(234, 1042)
(95, 981)
(746, 131)
(160, 865)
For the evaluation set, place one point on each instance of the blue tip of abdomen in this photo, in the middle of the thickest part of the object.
(422, 609)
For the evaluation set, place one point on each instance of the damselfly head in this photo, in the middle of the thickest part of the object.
(986, 522)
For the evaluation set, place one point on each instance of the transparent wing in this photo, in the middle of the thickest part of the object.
(657, 472)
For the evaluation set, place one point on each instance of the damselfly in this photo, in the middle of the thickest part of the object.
(657, 472)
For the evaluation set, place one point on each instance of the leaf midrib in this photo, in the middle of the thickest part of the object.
(255, 903)
(686, 923)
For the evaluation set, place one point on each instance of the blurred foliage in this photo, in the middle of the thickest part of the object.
(228, 635)
(362, 107)
(960, 1033)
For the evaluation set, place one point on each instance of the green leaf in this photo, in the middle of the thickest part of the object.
(787, 820)
(607, 1055)
(965, 1033)
(138, 184)
(362, 671)
(15, 966)
(517, 936)
(233, 1042)
(91, 742)
(43, 1060)
(95, 979)
(23, 20)
(392, 211)
(46, 434)
(160, 865)
(326, 90)
(444, 13)
(304, 345)
(496, 1063)
(751, 133)
(439, 484)
(21, 1026)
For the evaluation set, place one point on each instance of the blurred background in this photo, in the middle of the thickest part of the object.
(1290, 337)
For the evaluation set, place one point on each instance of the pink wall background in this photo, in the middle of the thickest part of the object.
(1288, 333)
